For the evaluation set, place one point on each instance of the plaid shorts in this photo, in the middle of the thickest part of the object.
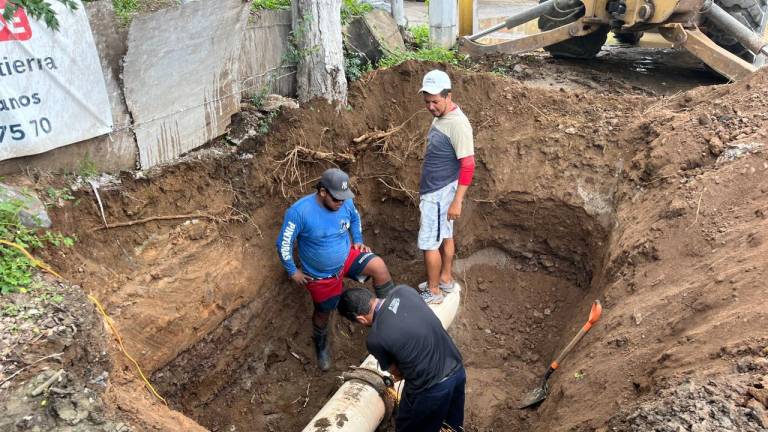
(435, 226)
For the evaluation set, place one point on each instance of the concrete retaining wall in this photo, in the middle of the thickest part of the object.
(262, 68)
(264, 63)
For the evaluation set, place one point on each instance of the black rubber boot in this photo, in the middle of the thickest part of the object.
(320, 338)
(383, 290)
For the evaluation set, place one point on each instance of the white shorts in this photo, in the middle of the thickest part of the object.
(435, 226)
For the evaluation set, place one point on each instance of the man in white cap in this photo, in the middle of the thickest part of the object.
(447, 171)
(321, 224)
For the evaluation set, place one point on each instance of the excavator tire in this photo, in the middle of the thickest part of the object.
(630, 38)
(582, 47)
(751, 13)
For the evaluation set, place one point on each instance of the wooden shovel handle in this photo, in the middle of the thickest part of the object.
(594, 316)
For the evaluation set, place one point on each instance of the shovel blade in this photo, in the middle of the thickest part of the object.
(535, 397)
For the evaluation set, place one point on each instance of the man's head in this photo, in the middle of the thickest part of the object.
(357, 305)
(436, 89)
(333, 188)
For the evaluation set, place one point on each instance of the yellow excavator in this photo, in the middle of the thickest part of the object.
(727, 35)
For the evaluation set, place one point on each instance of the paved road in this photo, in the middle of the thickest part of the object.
(416, 11)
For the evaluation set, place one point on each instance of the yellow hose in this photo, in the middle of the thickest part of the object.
(111, 325)
(34, 260)
(107, 319)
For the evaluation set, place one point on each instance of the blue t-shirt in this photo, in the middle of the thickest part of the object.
(322, 236)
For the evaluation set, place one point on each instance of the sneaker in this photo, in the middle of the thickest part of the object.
(446, 287)
(432, 298)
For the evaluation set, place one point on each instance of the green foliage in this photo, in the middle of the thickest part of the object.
(87, 168)
(353, 8)
(355, 66)
(270, 5)
(39, 9)
(420, 35)
(266, 123)
(436, 54)
(56, 197)
(15, 267)
(258, 99)
(10, 310)
(125, 9)
(294, 53)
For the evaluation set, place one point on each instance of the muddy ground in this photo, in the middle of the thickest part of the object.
(589, 186)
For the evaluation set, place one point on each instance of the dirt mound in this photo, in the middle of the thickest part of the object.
(578, 195)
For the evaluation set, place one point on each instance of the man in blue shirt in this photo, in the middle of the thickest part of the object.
(321, 224)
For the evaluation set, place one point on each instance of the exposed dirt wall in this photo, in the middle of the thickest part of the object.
(583, 195)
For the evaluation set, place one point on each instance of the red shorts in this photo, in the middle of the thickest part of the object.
(326, 292)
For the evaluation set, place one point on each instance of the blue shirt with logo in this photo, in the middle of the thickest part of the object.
(322, 236)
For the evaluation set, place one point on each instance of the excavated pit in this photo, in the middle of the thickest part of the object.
(525, 289)
(204, 304)
(226, 337)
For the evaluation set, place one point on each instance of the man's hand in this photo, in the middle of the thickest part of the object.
(454, 211)
(395, 371)
(361, 247)
(300, 278)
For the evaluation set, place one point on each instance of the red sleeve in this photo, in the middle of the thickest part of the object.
(467, 170)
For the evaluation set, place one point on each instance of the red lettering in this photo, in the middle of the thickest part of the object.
(17, 28)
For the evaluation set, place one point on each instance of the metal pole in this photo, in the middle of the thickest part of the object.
(466, 18)
(516, 20)
(443, 22)
(398, 12)
(751, 40)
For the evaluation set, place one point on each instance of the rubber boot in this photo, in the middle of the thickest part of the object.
(320, 338)
(383, 290)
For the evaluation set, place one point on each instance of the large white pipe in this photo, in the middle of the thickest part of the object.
(357, 407)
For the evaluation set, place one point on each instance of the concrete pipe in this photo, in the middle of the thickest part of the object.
(356, 406)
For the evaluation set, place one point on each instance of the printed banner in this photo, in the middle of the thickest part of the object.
(52, 90)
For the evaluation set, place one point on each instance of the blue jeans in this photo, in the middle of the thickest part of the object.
(438, 406)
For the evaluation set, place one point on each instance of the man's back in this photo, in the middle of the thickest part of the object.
(406, 332)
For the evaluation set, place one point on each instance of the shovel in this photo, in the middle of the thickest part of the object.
(537, 395)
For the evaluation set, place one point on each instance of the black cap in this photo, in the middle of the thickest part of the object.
(336, 182)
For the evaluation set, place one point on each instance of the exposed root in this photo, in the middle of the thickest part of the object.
(337, 158)
(400, 188)
(378, 136)
(228, 218)
(287, 170)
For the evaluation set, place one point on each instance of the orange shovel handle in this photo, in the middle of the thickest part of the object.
(594, 316)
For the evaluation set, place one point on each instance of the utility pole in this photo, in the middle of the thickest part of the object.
(443, 22)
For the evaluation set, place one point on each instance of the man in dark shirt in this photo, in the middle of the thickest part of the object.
(409, 341)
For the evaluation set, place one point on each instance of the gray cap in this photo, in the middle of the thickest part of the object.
(336, 182)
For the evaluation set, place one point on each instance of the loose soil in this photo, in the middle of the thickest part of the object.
(654, 204)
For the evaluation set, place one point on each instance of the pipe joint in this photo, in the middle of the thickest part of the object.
(383, 384)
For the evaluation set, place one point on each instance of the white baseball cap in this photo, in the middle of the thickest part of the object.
(435, 81)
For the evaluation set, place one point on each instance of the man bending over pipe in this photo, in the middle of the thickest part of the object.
(321, 224)
(409, 341)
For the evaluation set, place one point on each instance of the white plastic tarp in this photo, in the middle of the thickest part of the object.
(52, 90)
